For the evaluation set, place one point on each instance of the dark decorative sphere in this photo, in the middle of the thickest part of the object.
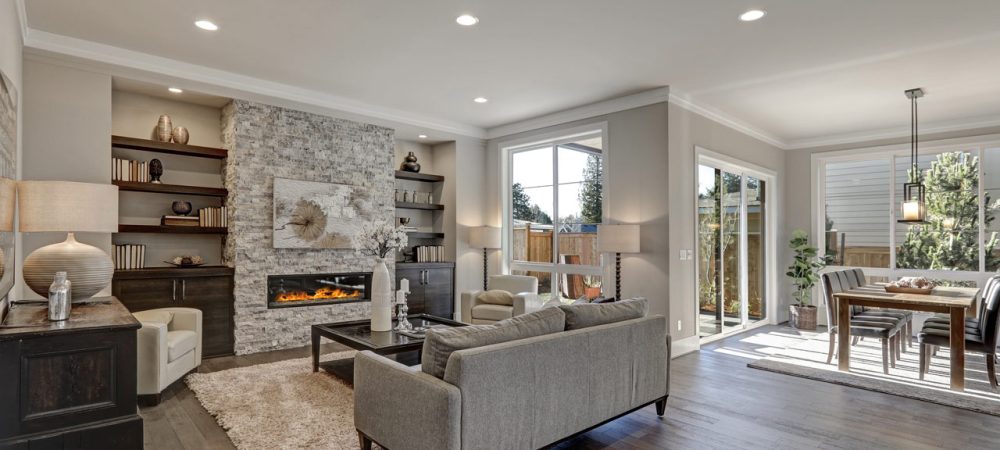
(181, 208)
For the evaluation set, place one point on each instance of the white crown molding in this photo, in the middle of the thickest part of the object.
(588, 111)
(22, 19)
(898, 132)
(68, 48)
(722, 118)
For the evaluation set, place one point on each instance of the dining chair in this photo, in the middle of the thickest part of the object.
(856, 278)
(886, 329)
(971, 323)
(981, 339)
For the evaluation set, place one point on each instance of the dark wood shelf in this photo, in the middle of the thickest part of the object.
(424, 235)
(426, 206)
(134, 186)
(164, 272)
(168, 147)
(414, 176)
(126, 228)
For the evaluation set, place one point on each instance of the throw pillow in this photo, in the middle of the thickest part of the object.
(593, 314)
(496, 297)
(440, 343)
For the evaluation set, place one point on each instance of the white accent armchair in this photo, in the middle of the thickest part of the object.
(168, 347)
(525, 299)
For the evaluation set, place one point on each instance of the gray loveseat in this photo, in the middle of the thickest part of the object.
(521, 394)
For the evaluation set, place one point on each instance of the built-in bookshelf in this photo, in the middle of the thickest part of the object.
(176, 192)
(430, 241)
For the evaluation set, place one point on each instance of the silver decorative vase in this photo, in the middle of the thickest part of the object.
(164, 129)
(180, 135)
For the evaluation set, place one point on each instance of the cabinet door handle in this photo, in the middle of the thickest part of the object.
(173, 295)
(423, 275)
(184, 287)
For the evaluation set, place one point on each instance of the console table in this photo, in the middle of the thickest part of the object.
(69, 384)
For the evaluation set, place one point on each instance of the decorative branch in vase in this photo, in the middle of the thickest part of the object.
(380, 239)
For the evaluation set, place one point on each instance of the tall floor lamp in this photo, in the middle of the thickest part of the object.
(486, 238)
(618, 239)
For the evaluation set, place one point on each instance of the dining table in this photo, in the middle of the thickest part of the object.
(953, 301)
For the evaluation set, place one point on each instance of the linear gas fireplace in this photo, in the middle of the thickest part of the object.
(318, 289)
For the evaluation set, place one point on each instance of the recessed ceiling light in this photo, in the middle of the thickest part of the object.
(752, 15)
(206, 25)
(422, 136)
(480, 99)
(467, 20)
(175, 90)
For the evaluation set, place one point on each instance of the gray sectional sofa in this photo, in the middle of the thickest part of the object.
(574, 372)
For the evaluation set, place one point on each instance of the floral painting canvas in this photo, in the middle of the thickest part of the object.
(309, 214)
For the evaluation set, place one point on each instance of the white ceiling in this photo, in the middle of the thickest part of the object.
(811, 71)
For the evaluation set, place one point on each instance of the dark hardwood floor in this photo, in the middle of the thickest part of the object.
(716, 402)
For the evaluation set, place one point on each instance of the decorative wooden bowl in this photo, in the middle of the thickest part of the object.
(908, 290)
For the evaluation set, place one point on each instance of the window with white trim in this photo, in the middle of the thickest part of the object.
(859, 198)
(555, 195)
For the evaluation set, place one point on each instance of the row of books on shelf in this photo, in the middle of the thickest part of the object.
(129, 170)
(130, 256)
(429, 253)
(212, 216)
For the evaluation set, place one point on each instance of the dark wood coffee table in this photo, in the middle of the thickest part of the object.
(358, 335)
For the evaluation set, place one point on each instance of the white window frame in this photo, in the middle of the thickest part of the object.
(772, 215)
(975, 145)
(553, 138)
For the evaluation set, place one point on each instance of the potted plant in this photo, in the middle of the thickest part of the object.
(804, 273)
(592, 286)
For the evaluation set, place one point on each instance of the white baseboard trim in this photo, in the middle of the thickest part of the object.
(684, 346)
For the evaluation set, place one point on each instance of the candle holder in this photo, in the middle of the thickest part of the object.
(402, 323)
(913, 208)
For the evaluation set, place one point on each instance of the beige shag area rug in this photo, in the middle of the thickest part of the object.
(808, 360)
(281, 405)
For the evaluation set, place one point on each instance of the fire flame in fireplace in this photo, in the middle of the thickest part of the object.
(324, 293)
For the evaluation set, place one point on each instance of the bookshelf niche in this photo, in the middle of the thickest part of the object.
(131, 158)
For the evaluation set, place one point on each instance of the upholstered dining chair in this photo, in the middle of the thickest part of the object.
(981, 339)
(856, 278)
(522, 291)
(885, 329)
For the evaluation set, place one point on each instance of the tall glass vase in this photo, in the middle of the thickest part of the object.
(381, 297)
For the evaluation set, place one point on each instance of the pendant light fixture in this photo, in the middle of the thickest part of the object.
(913, 209)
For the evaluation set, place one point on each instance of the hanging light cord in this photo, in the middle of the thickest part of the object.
(913, 138)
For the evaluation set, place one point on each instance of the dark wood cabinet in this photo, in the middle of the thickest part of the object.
(209, 289)
(432, 287)
(69, 384)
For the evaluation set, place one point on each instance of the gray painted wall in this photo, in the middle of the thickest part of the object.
(66, 136)
(687, 130)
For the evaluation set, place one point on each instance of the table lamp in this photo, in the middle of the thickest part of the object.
(64, 206)
(618, 239)
(486, 238)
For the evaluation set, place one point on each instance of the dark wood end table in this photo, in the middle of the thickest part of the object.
(357, 334)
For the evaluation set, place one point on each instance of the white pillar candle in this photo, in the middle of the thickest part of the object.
(404, 285)
(911, 210)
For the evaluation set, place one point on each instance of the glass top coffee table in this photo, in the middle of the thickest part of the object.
(358, 335)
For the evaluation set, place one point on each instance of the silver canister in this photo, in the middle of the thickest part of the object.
(60, 300)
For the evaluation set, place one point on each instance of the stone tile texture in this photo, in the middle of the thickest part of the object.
(265, 142)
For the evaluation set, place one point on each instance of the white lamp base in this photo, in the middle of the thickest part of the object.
(88, 268)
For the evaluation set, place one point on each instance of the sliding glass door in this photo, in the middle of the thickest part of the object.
(732, 248)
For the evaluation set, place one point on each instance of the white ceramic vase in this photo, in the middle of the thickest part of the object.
(381, 298)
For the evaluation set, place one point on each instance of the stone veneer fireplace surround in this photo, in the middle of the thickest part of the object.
(265, 142)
